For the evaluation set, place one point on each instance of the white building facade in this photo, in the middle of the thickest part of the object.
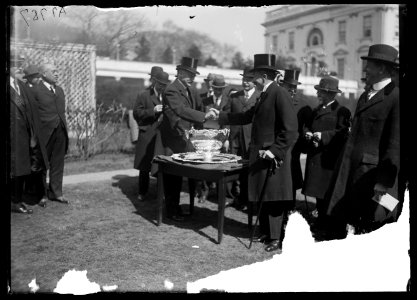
(330, 38)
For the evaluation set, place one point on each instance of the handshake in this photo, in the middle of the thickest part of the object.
(313, 137)
(212, 114)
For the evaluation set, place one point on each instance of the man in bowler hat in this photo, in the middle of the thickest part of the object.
(182, 108)
(369, 164)
(274, 132)
(148, 114)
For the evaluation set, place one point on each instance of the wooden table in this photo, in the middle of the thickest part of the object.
(219, 173)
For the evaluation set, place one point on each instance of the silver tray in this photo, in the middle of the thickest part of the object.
(199, 158)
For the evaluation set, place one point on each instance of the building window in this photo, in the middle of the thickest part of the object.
(367, 26)
(315, 38)
(291, 41)
(342, 32)
(341, 67)
(274, 44)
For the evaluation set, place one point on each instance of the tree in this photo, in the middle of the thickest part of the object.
(211, 62)
(168, 55)
(195, 52)
(142, 50)
(238, 61)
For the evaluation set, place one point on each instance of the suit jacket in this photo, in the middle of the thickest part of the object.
(333, 122)
(240, 134)
(148, 122)
(51, 110)
(208, 103)
(371, 154)
(274, 128)
(181, 111)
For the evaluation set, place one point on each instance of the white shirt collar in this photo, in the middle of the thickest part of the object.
(47, 84)
(380, 85)
(266, 86)
(250, 92)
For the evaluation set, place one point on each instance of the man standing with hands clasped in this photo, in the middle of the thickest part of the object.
(274, 132)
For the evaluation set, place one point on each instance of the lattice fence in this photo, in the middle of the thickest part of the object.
(76, 65)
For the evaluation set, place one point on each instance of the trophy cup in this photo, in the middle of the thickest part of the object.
(207, 141)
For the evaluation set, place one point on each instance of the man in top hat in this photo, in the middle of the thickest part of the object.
(370, 162)
(24, 136)
(207, 82)
(182, 108)
(240, 135)
(274, 132)
(325, 136)
(148, 114)
(290, 83)
(32, 75)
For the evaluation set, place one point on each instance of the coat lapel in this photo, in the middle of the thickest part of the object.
(183, 91)
(363, 104)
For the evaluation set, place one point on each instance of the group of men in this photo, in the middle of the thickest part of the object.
(351, 162)
(38, 139)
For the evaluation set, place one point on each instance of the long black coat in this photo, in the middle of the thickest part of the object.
(240, 135)
(147, 120)
(304, 115)
(181, 111)
(371, 154)
(51, 110)
(333, 123)
(274, 128)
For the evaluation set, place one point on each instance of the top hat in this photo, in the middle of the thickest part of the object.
(189, 64)
(328, 84)
(264, 62)
(218, 82)
(155, 70)
(210, 77)
(162, 77)
(30, 71)
(247, 72)
(383, 53)
(291, 76)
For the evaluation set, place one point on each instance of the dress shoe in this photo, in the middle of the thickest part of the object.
(261, 238)
(61, 200)
(275, 245)
(176, 218)
(42, 203)
(21, 208)
(141, 198)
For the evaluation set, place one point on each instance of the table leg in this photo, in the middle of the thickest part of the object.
(221, 187)
(160, 197)
(191, 190)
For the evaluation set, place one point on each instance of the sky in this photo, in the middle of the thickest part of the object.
(237, 26)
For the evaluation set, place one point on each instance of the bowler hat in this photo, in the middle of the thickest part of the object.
(210, 77)
(189, 64)
(218, 82)
(291, 77)
(264, 62)
(383, 53)
(328, 84)
(30, 70)
(162, 77)
(154, 70)
(247, 72)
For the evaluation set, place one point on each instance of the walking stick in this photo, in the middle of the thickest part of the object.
(260, 201)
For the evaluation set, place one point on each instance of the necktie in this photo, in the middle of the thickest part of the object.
(52, 90)
(246, 97)
(370, 91)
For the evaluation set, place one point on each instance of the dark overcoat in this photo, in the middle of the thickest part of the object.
(304, 115)
(371, 154)
(274, 128)
(51, 110)
(20, 132)
(240, 135)
(148, 122)
(181, 111)
(333, 122)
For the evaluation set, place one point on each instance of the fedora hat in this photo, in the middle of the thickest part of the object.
(247, 72)
(328, 84)
(383, 53)
(264, 62)
(189, 64)
(30, 70)
(155, 70)
(162, 77)
(218, 82)
(210, 77)
(291, 76)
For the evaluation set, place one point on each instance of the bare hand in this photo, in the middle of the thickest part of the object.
(317, 136)
(157, 108)
(216, 111)
(308, 135)
(210, 115)
(266, 154)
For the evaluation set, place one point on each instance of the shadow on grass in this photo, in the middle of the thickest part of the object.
(205, 214)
